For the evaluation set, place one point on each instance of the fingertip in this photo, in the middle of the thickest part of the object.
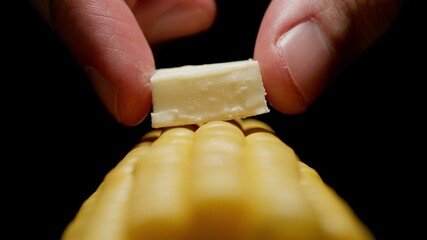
(282, 93)
(106, 40)
(128, 104)
(105, 90)
(302, 45)
(306, 53)
(277, 57)
(295, 59)
(136, 101)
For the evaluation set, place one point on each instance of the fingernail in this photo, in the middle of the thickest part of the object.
(307, 55)
(105, 90)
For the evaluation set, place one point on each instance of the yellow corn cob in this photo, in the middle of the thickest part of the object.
(221, 180)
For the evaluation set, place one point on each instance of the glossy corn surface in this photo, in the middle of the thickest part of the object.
(220, 180)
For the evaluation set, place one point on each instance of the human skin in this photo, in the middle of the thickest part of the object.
(301, 44)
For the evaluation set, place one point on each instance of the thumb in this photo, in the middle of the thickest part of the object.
(106, 40)
(302, 44)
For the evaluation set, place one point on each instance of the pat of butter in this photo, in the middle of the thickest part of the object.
(196, 94)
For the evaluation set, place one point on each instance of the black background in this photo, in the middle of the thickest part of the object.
(364, 135)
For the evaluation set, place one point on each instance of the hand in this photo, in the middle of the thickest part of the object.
(111, 40)
(303, 44)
